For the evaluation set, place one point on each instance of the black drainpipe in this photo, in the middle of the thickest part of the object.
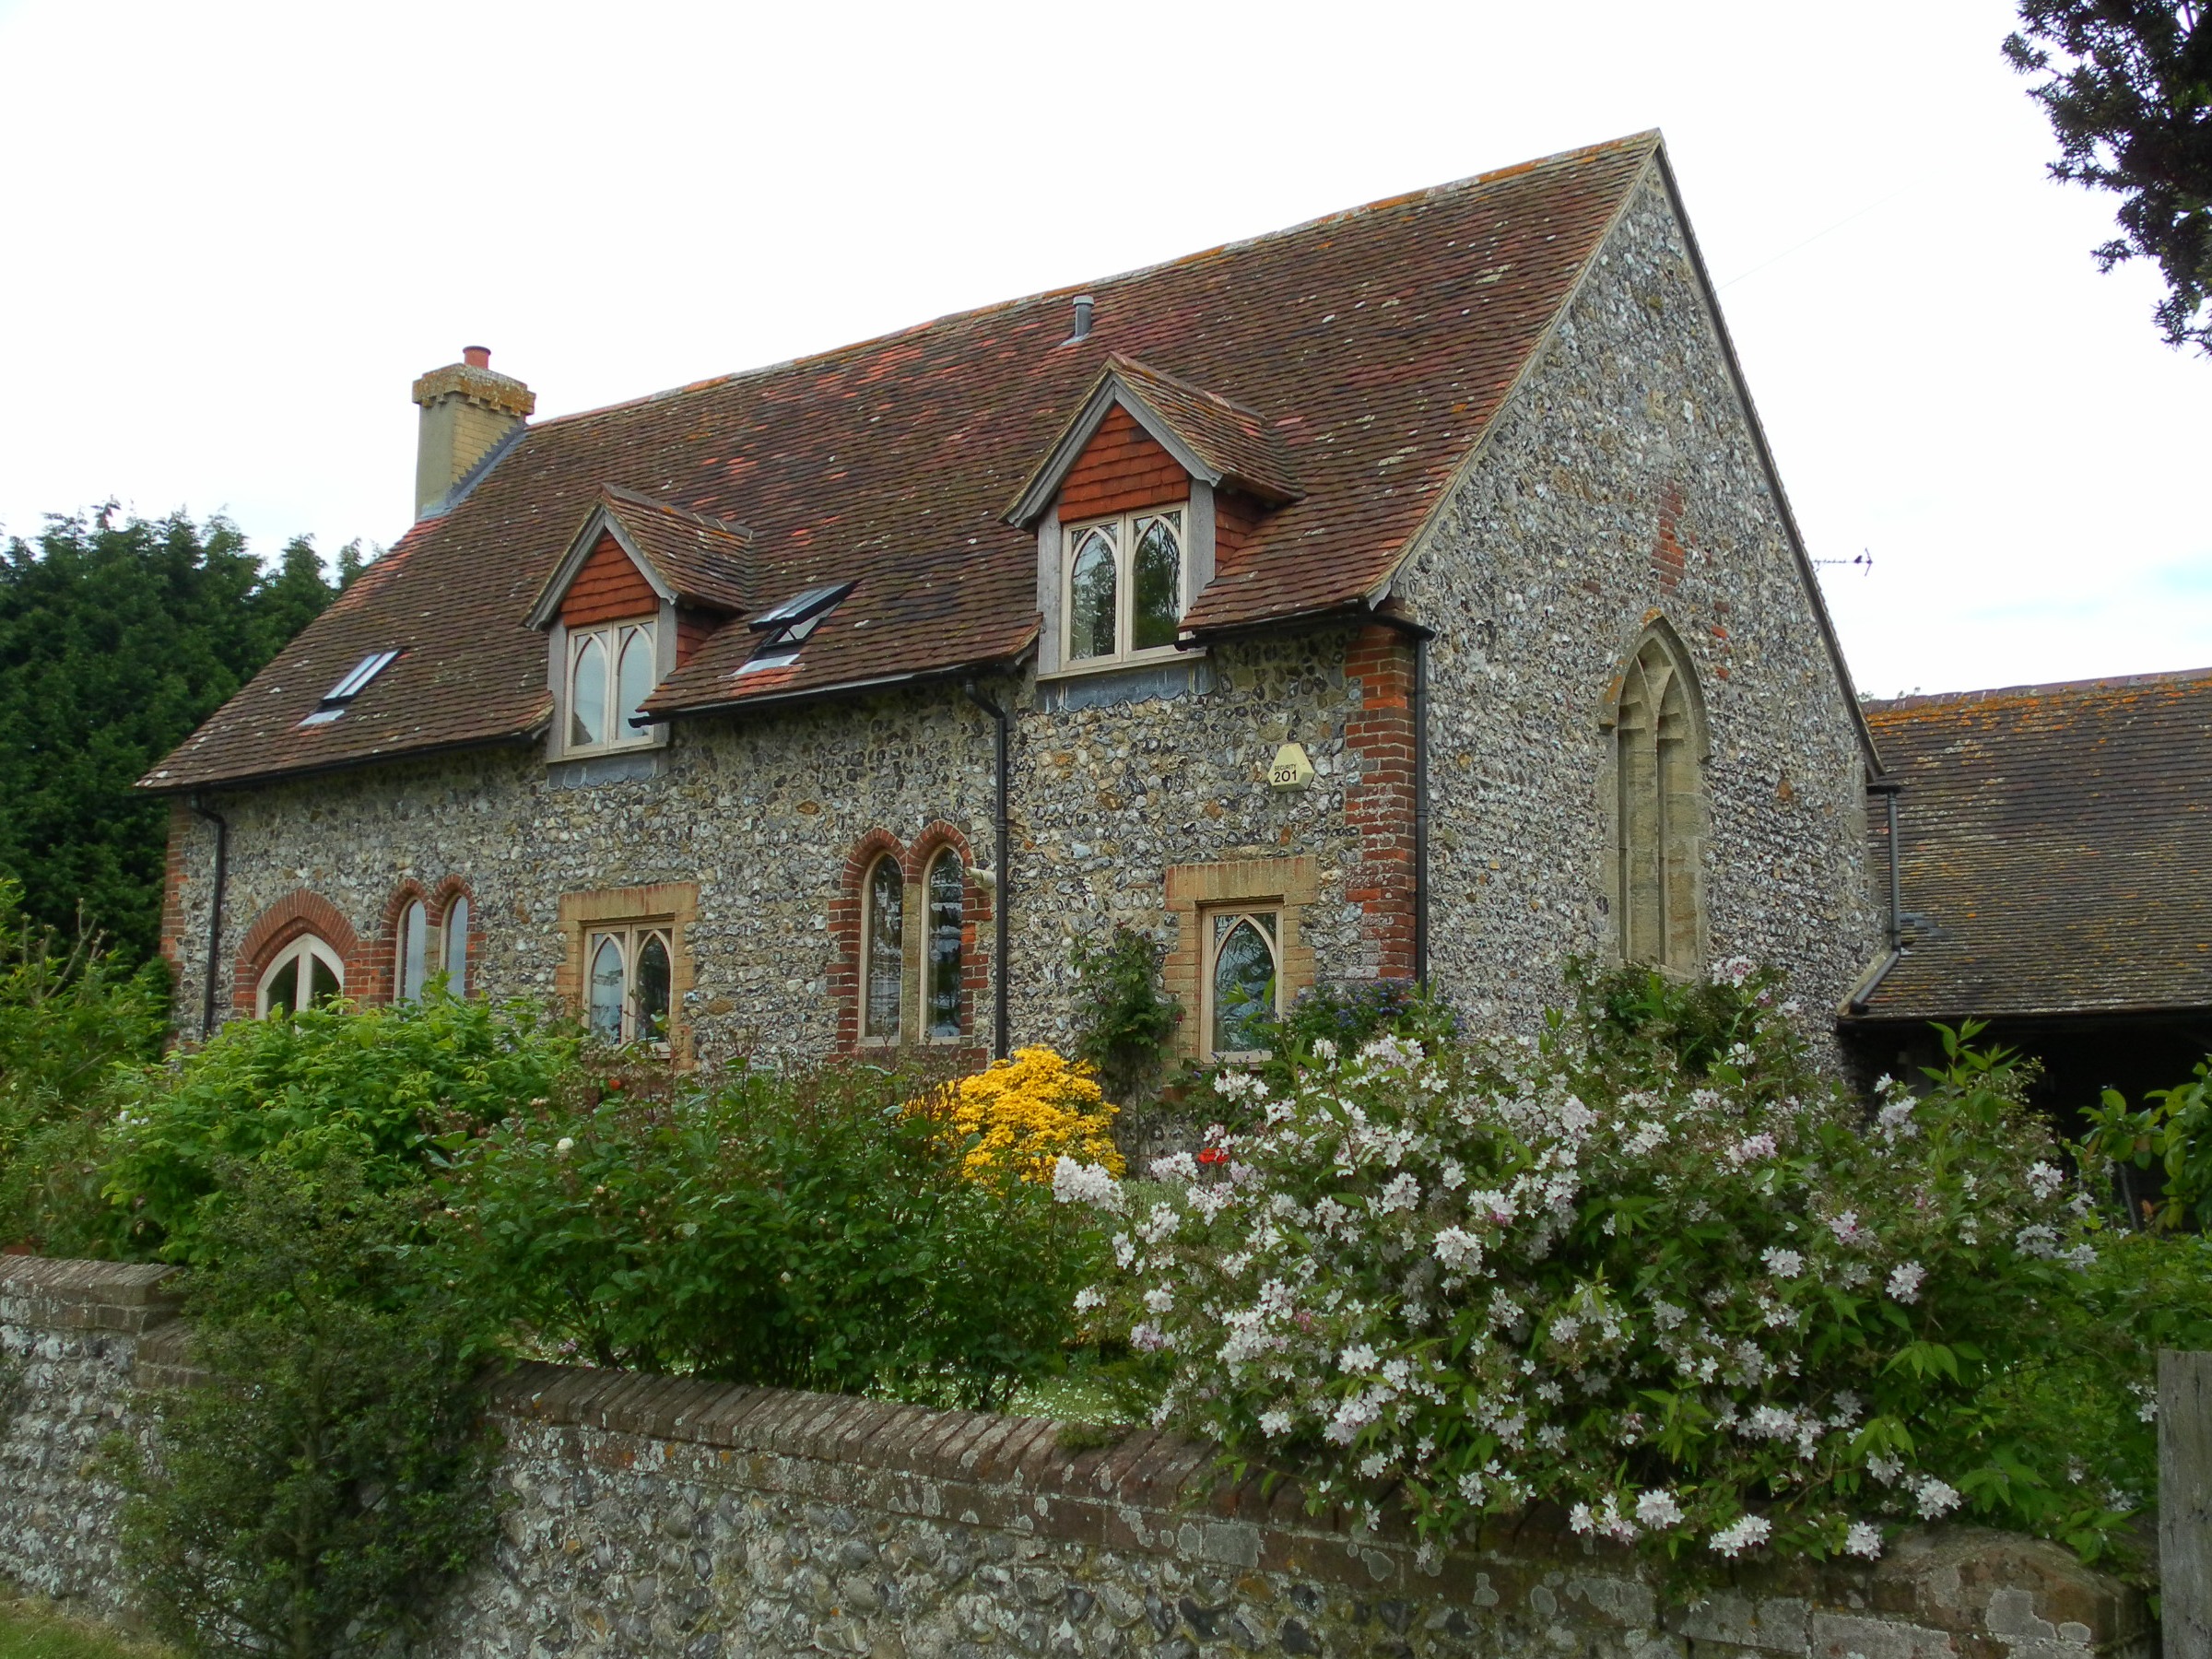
(1418, 713)
(215, 912)
(1002, 904)
(1889, 790)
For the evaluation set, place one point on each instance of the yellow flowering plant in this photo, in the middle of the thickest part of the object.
(1021, 1116)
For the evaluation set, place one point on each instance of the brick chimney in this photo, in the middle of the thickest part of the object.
(467, 407)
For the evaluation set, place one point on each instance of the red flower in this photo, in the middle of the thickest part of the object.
(1213, 1155)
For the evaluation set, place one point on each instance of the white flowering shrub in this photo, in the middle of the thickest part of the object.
(1653, 1270)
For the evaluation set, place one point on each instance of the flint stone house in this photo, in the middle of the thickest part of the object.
(2053, 861)
(1407, 592)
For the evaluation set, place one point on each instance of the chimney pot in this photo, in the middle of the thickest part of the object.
(476, 357)
(1083, 306)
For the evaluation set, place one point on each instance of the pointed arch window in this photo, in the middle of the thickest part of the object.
(612, 671)
(453, 945)
(1242, 988)
(948, 885)
(414, 964)
(1659, 807)
(884, 953)
(1124, 580)
(307, 972)
(627, 981)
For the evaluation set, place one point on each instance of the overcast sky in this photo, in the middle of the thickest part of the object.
(234, 234)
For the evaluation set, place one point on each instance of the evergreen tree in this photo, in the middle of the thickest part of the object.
(2128, 89)
(117, 638)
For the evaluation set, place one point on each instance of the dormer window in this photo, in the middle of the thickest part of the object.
(1124, 585)
(612, 671)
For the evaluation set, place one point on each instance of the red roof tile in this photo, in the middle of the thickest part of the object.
(2057, 841)
(1375, 345)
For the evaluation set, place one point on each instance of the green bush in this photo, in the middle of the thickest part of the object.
(1351, 1016)
(2173, 1134)
(389, 1090)
(69, 1019)
(1124, 1020)
(1657, 1270)
(810, 1232)
(334, 1467)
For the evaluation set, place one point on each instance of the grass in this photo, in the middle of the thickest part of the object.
(33, 1630)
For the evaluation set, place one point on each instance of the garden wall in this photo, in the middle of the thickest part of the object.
(656, 1517)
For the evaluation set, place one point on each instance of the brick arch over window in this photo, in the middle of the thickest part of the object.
(939, 836)
(1657, 804)
(847, 912)
(299, 912)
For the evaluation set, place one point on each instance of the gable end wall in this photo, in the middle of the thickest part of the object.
(1622, 481)
(1122, 468)
(608, 588)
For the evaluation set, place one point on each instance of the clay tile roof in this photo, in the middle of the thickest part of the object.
(2057, 843)
(1236, 442)
(702, 557)
(1377, 343)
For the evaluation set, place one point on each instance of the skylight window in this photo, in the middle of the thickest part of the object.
(783, 627)
(334, 700)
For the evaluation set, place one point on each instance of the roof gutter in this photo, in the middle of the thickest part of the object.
(813, 694)
(186, 786)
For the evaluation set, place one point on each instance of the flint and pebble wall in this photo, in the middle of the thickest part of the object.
(670, 1519)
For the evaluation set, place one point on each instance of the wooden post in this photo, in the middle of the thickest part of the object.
(2185, 1502)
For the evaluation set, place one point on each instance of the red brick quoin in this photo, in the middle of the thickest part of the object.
(1379, 807)
(299, 912)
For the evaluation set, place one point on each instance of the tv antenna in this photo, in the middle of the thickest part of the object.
(1863, 563)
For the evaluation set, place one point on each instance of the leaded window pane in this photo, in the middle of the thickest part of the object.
(456, 946)
(1158, 602)
(947, 878)
(322, 980)
(636, 679)
(886, 948)
(1243, 986)
(414, 950)
(652, 990)
(587, 693)
(603, 1013)
(1093, 584)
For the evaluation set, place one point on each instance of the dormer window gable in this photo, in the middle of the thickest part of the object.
(1126, 507)
(640, 585)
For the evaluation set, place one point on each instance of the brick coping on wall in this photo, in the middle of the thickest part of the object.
(1994, 1596)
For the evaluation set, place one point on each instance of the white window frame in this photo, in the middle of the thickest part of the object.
(305, 946)
(1125, 594)
(1211, 937)
(612, 637)
(925, 951)
(630, 936)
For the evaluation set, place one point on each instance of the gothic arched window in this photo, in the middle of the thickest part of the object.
(306, 972)
(947, 880)
(1659, 807)
(883, 965)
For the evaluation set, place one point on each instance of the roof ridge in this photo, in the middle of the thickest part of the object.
(728, 526)
(1193, 387)
(1932, 699)
(1649, 138)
